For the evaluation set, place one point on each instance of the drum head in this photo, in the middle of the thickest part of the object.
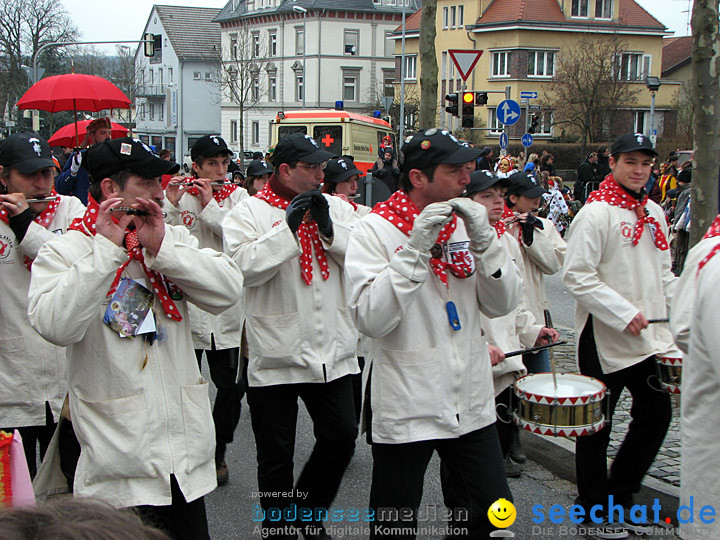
(569, 386)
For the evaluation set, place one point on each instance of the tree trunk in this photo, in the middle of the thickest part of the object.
(428, 66)
(706, 103)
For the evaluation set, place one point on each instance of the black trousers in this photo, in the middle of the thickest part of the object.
(505, 424)
(181, 520)
(651, 413)
(472, 474)
(223, 365)
(273, 411)
(34, 435)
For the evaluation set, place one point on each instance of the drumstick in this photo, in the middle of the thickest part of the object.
(548, 324)
(533, 349)
(650, 321)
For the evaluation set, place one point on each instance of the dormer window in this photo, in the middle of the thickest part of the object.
(579, 8)
(603, 9)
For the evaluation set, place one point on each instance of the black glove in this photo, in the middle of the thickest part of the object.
(320, 212)
(528, 228)
(295, 211)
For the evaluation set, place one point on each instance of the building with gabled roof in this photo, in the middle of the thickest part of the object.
(178, 96)
(521, 41)
(346, 57)
(677, 57)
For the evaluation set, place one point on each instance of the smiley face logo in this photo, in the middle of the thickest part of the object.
(502, 513)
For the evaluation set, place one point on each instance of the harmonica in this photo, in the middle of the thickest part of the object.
(356, 196)
(182, 184)
(130, 211)
(221, 183)
(42, 199)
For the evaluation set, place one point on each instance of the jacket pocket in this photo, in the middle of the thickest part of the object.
(410, 384)
(346, 335)
(116, 436)
(198, 425)
(277, 339)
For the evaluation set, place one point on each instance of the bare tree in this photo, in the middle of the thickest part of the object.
(243, 76)
(428, 65)
(683, 105)
(590, 86)
(706, 102)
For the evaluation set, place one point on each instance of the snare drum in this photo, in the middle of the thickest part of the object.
(670, 372)
(572, 409)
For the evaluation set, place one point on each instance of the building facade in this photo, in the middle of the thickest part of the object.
(178, 90)
(521, 43)
(282, 55)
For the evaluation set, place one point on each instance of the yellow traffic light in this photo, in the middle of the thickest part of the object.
(468, 97)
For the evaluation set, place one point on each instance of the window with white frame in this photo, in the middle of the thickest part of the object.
(272, 43)
(579, 8)
(255, 88)
(152, 111)
(445, 17)
(299, 41)
(256, 44)
(350, 87)
(170, 75)
(350, 42)
(501, 64)
(196, 75)
(208, 76)
(161, 112)
(152, 76)
(255, 133)
(494, 124)
(453, 15)
(299, 88)
(389, 44)
(233, 46)
(633, 66)
(544, 126)
(233, 131)
(640, 118)
(410, 67)
(443, 65)
(272, 87)
(541, 63)
(603, 10)
(461, 16)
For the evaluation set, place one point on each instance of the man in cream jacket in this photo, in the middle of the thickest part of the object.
(140, 408)
(32, 370)
(289, 241)
(617, 268)
(421, 267)
(200, 204)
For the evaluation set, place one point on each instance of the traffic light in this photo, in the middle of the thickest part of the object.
(534, 123)
(453, 107)
(480, 98)
(468, 109)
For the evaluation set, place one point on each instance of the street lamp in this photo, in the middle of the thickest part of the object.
(300, 9)
(653, 84)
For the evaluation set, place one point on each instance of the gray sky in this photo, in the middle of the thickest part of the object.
(106, 20)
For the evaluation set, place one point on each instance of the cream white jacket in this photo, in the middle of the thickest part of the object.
(700, 422)
(428, 381)
(297, 333)
(205, 224)
(511, 332)
(613, 281)
(32, 371)
(136, 425)
(543, 258)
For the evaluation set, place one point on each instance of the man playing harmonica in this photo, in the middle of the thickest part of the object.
(32, 370)
(200, 204)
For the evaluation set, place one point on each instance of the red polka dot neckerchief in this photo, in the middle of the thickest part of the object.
(308, 235)
(712, 232)
(219, 195)
(44, 219)
(86, 225)
(401, 211)
(611, 193)
(501, 224)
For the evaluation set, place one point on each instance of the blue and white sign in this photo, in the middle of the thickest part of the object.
(528, 95)
(527, 140)
(503, 141)
(508, 112)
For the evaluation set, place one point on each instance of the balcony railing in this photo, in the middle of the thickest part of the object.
(151, 90)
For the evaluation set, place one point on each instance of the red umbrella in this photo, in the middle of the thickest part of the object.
(73, 92)
(66, 136)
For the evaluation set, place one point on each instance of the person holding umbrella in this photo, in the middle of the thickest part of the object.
(32, 369)
(73, 180)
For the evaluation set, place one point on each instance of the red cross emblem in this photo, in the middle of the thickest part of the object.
(327, 140)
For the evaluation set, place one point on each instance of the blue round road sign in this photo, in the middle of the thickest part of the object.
(503, 141)
(508, 112)
(527, 140)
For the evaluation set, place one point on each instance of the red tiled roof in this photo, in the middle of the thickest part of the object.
(549, 11)
(676, 51)
(412, 23)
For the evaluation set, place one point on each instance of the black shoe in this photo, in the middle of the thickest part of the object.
(511, 469)
(516, 452)
(223, 475)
